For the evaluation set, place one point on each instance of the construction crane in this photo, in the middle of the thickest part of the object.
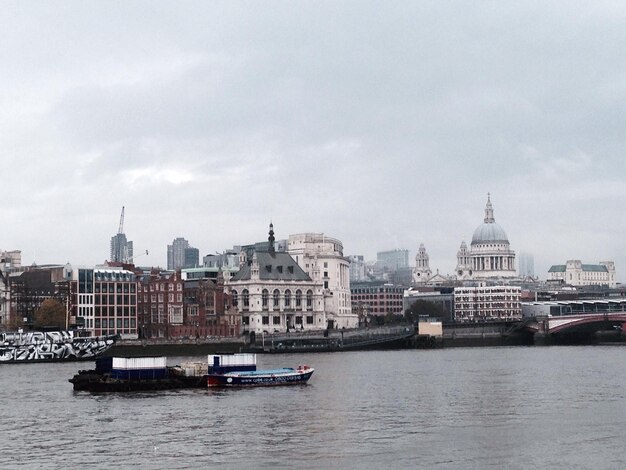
(143, 253)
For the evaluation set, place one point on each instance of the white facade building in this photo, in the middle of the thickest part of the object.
(575, 273)
(273, 294)
(487, 303)
(490, 255)
(321, 258)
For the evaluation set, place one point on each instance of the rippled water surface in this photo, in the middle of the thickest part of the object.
(559, 407)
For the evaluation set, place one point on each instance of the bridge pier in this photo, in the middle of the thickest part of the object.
(542, 339)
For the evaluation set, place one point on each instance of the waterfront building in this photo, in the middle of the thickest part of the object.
(171, 306)
(444, 297)
(490, 255)
(487, 303)
(378, 298)
(5, 299)
(321, 258)
(575, 273)
(273, 293)
(181, 255)
(104, 300)
(160, 304)
(29, 288)
(422, 272)
(208, 310)
(357, 268)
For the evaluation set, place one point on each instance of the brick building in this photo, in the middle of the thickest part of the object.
(171, 307)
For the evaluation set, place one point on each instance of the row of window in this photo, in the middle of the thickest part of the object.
(161, 287)
(276, 320)
(112, 323)
(265, 298)
(112, 311)
(170, 297)
(114, 299)
(113, 287)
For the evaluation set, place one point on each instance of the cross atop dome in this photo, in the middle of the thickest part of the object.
(489, 219)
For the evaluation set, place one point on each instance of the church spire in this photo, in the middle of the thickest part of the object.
(271, 239)
(489, 211)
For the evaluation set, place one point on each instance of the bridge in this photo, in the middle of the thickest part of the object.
(581, 318)
(573, 328)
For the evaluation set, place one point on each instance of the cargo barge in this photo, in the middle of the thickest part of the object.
(129, 374)
(126, 374)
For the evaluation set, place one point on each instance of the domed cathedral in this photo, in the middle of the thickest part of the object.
(489, 255)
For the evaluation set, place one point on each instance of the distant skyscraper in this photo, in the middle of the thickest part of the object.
(121, 248)
(526, 265)
(192, 257)
(181, 255)
(393, 259)
(176, 253)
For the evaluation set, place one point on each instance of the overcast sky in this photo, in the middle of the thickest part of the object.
(383, 124)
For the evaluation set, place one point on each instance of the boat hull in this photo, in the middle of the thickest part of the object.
(91, 381)
(260, 379)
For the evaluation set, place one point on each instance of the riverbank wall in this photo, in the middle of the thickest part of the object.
(162, 347)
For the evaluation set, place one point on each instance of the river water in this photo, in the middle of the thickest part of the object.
(516, 407)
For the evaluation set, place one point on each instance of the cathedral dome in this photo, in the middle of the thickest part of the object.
(489, 232)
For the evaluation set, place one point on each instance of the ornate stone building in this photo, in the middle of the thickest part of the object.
(322, 258)
(422, 271)
(273, 293)
(575, 273)
(489, 255)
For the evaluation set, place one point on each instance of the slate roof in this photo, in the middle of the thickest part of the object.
(598, 268)
(557, 268)
(276, 266)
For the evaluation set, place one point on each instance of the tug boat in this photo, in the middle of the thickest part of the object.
(239, 370)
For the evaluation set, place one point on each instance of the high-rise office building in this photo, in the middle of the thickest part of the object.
(176, 253)
(192, 257)
(121, 249)
(181, 255)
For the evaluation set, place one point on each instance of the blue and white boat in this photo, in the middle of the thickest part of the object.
(239, 370)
